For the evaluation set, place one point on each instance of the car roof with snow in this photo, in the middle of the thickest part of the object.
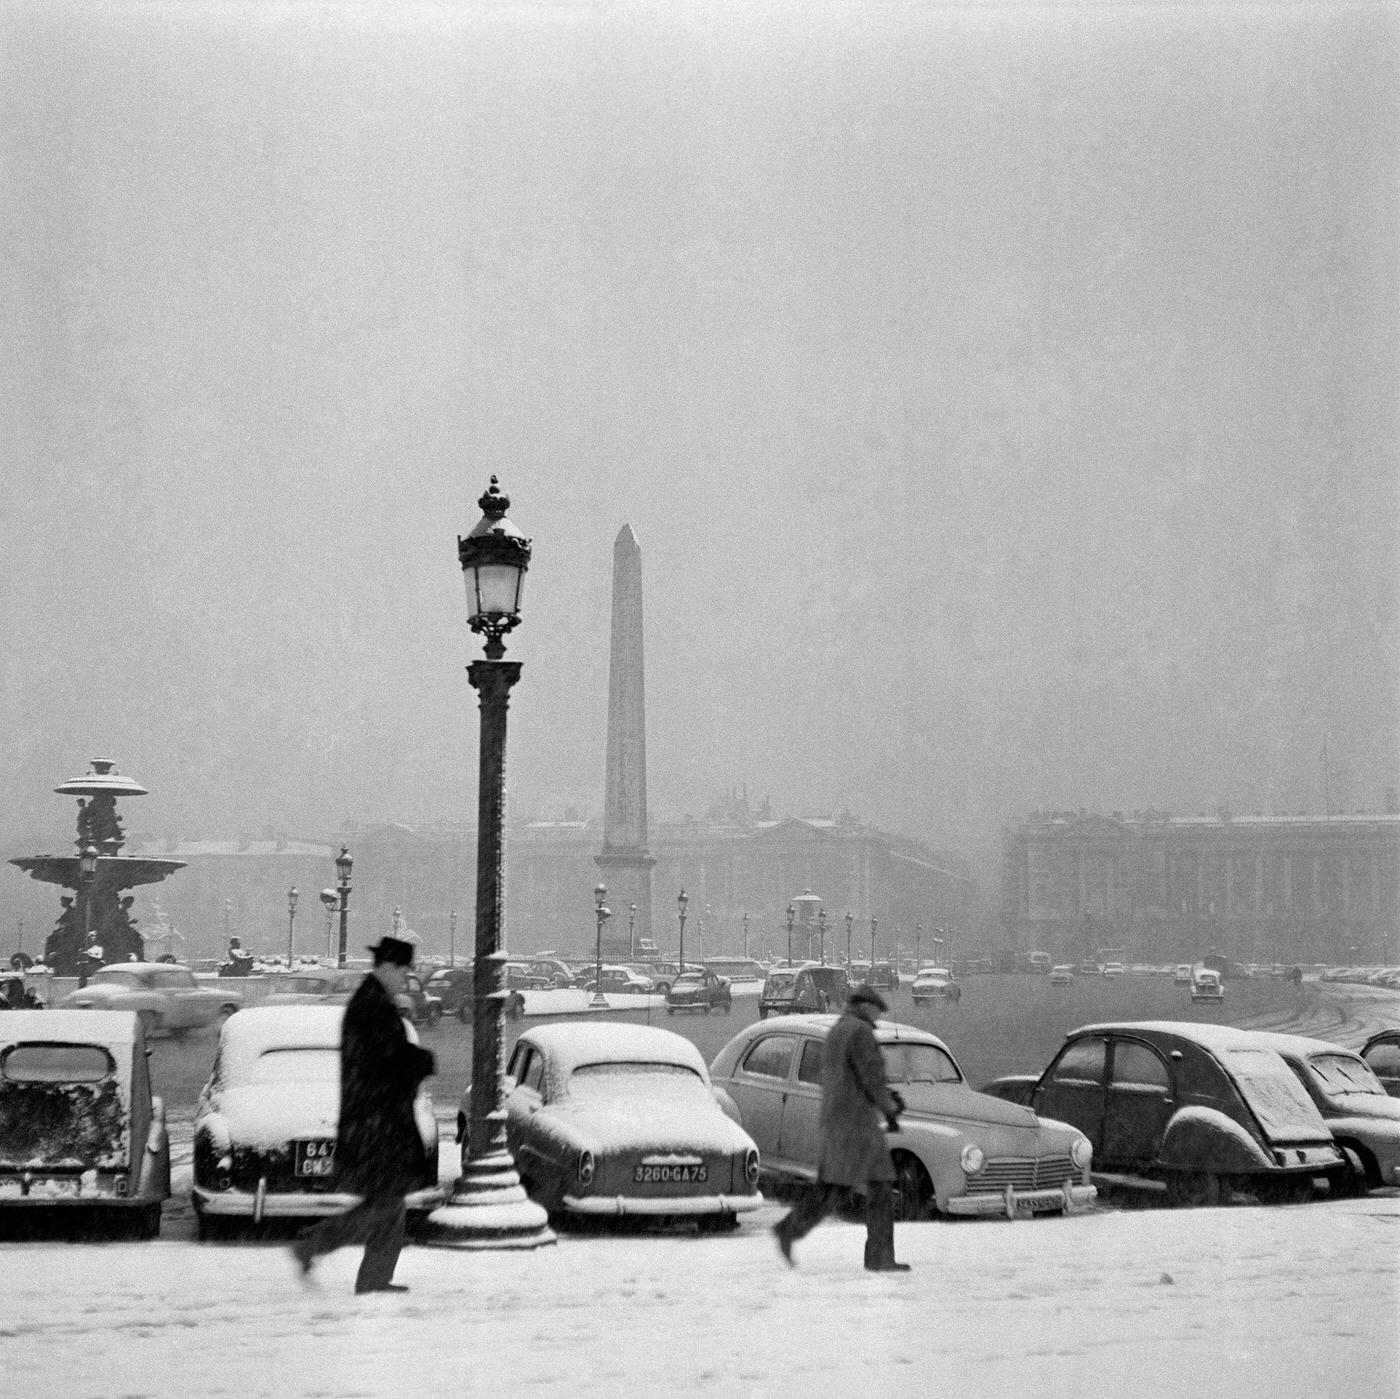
(259, 1029)
(110, 1028)
(1215, 1037)
(569, 1047)
(1300, 1044)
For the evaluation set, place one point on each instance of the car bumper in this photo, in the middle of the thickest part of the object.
(258, 1205)
(655, 1205)
(1012, 1204)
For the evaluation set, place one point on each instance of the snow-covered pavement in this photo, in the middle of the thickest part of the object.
(1240, 1301)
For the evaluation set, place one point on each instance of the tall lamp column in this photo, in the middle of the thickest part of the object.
(488, 1207)
(604, 913)
(681, 902)
(874, 923)
(821, 924)
(87, 873)
(791, 914)
(850, 918)
(343, 865)
(746, 934)
(632, 932)
(291, 922)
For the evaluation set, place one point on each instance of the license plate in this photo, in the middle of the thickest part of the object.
(313, 1159)
(669, 1174)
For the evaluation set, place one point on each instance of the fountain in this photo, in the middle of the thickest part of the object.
(101, 929)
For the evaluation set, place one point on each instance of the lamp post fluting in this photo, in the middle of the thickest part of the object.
(821, 925)
(291, 922)
(791, 914)
(343, 865)
(850, 918)
(603, 914)
(488, 1207)
(631, 932)
(918, 938)
(746, 934)
(681, 901)
(452, 938)
(874, 923)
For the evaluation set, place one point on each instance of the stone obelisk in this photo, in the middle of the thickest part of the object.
(625, 863)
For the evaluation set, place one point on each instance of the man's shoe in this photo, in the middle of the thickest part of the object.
(301, 1251)
(784, 1244)
(385, 1287)
(890, 1267)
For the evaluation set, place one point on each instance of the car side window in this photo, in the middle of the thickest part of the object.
(534, 1073)
(771, 1056)
(1384, 1060)
(517, 1062)
(184, 980)
(1136, 1067)
(1082, 1062)
(809, 1067)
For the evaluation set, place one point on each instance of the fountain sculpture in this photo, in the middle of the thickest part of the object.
(100, 928)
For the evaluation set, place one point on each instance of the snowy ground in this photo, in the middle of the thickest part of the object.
(1240, 1301)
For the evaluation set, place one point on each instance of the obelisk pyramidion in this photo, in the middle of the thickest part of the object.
(625, 863)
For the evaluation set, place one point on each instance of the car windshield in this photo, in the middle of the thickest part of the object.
(781, 985)
(114, 978)
(56, 1063)
(1269, 1086)
(1345, 1073)
(919, 1063)
(311, 1064)
(638, 1083)
(302, 985)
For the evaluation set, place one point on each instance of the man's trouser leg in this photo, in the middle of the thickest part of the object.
(879, 1225)
(383, 1243)
(334, 1231)
(811, 1208)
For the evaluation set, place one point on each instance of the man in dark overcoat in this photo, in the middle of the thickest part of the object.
(857, 1104)
(379, 1153)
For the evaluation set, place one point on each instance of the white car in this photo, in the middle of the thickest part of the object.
(1113, 969)
(935, 983)
(621, 981)
(1062, 975)
(1182, 975)
(164, 996)
(265, 1126)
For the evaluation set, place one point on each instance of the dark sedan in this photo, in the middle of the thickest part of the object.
(703, 991)
(1199, 1109)
(1382, 1053)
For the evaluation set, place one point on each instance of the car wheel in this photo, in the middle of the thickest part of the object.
(1193, 1189)
(670, 1010)
(663, 988)
(464, 1012)
(148, 1222)
(763, 1012)
(913, 1191)
(728, 1004)
(707, 1007)
(1353, 1179)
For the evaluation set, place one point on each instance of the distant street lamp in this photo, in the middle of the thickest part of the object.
(631, 932)
(330, 901)
(604, 913)
(791, 914)
(681, 902)
(452, 938)
(87, 873)
(291, 921)
(343, 865)
(850, 918)
(228, 914)
(746, 934)
(874, 923)
(488, 1207)
(918, 938)
(821, 924)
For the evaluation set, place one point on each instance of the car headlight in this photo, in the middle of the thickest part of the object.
(751, 1166)
(972, 1159)
(585, 1167)
(1082, 1152)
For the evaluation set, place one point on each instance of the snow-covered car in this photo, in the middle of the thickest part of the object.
(799, 990)
(1199, 1109)
(1382, 1053)
(701, 990)
(1363, 1118)
(935, 984)
(164, 997)
(1113, 969)
(79, 1126)
(1063, 975)
(311, 988)
(617, 981)
(1206, 985)
(549, 973)
(453, 988)
(957, 1152)
(608, 1119)
(1182, 975)
(265, 1125)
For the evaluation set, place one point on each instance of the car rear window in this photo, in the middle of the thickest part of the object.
(1270, 1088)
(1345, 1073)
(780, 985)
(637, 1081)
(56, 1063)
(313, 1064)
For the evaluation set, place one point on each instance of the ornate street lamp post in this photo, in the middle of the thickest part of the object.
(604, 913)
(87, 873)
(874, 923)
(850, 918)
(343, 865)
(681, 902)
(631, 932)
(489, 1207)
(291, 921)
(821, 925)
(918, 936)
(452, 938)
(791, 914)
(746, 934)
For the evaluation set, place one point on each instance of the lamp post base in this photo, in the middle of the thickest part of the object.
(488, 1208)
(599, 1000)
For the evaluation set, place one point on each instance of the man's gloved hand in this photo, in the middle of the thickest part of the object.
(899, 1103)
(892, 1119)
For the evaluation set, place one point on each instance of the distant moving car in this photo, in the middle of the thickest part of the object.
(1113, 969)
(265, 1126)
(1182, 975)
(1382, 1053)
(549, 973)
(79, 1125)
(735, 969)
(311, 988)
(618, 981)
(1206, 985)
(701, 990)
(957, 1152)
(607, 1119)
(163, 997)
(417, 1003)
(935, 983)
(789, 990)
(453, 988)
(1201, 1109)
(1063, 975)
(1364, 1120)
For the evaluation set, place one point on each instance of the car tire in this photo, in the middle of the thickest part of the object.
(464, 1012)
(728, 1004)
(1353, 1180)
(913, 1191)
(662, 988)
(763, 1012)
(670, 1010)
(148, 1221)
(1194, 1189)
(707, 1007)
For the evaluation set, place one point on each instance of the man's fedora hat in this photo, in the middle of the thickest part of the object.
(397, 950)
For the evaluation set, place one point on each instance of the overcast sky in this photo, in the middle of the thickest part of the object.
(1003, 395)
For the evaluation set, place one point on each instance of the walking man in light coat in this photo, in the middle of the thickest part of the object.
(856, 1104)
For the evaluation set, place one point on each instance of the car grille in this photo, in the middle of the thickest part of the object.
(1022, 1174)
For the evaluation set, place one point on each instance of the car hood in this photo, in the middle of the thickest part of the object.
(661, 1126)
(956, 1101)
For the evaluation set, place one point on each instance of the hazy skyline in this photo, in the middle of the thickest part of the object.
(1003, 397)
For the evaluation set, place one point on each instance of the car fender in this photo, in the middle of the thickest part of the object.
(1205, 1139)
(213, 1127)
(938, 1147)
(727, 1105)
(1379, 1136)
(153, 1177)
